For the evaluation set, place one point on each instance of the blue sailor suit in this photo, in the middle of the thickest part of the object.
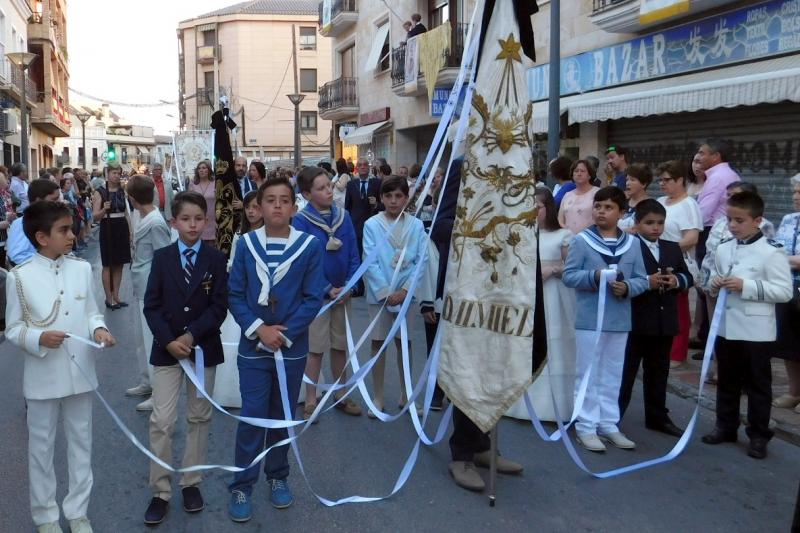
(275, 287)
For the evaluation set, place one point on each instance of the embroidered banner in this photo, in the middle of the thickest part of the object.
(488, 311)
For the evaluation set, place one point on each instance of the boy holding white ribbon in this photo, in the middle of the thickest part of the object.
(333, 227)
(51, 297)
(755, 272)
(603, 259)
(275, 292)
(401, 242)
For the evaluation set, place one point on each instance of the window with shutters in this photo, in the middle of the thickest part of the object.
(308, 38)
(308, 122)
(308, 80)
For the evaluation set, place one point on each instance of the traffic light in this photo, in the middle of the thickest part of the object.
(112, 153)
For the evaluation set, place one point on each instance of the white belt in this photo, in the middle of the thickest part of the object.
(115, 215)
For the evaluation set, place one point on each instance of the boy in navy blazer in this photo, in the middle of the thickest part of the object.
(185, 304)
(654, 318)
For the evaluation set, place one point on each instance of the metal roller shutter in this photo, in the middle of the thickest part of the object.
(765, 140)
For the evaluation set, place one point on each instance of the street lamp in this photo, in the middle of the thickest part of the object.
(296, 98)
(23, 60)
(83, 117)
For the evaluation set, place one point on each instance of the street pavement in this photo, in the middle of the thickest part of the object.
(705, 489)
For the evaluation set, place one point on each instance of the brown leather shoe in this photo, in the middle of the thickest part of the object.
(504, 466)
(466, 475)
(349, 407)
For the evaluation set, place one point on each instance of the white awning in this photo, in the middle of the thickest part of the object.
(363, 135)
(377, 45)
(762, 82)
(143, 150)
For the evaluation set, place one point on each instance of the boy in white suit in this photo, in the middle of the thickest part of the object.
(50, 299)
(756, 273)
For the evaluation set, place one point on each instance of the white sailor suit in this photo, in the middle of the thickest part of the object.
(747, 329)
(46, 295)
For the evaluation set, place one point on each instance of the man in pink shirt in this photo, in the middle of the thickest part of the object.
(713, 157)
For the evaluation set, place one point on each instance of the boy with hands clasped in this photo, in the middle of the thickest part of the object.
(755, 272)
(603, 247)
(50, 298)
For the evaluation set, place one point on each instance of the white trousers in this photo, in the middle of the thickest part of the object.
(600, 411)
(42, 422)
(144, 339)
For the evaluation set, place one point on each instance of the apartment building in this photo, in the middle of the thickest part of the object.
(245, 53)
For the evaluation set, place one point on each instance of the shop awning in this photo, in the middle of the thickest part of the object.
(762, 82)
(363, 135)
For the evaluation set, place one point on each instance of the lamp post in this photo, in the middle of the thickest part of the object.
(296, 98)
(23, 60)
(83, 117)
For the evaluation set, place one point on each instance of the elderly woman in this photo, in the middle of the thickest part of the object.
(788, 314)
(575, 212)
(683, 225)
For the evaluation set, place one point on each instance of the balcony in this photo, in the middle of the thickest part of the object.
(338, 99)
(52, 117)
(11, 79)
(344, 15)
(622, 16)
(208, 54)
(404, 85)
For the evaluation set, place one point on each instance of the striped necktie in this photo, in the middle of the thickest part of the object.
(189, 268)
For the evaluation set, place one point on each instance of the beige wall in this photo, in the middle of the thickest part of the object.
(255, 52)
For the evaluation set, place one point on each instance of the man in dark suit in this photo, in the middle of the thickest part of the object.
(654, 316)
(362, 198)
(417, 26)
(185, 304)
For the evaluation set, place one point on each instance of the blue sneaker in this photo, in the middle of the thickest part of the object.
(280, 494)
(239, 508)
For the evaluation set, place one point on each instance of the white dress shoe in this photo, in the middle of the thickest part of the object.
(139, 390)
(619, 440)
(80, 525)
(146, 405)
(591, 442)
(50, 527)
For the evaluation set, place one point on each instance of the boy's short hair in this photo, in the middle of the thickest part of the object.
(272, 182)
(560, 166)
(141, 188)
(648, 206)
(187, 197)
(749, 201)
(394, 183)
(42, 216)
(612, 193)
(39, 189)
(307, 176)
(641, 172)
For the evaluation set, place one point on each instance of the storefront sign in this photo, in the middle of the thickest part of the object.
(755, 32)
(371, 117)
(439, 100)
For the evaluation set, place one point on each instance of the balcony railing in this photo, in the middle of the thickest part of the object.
(452, 57)
(342, 92)
(338, 7)
(10, 73)
(598, 6)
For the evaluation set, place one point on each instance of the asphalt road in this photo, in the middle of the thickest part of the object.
(705, 489)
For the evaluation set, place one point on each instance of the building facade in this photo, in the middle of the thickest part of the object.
(377, 109)
(728, 69)
(244, 52)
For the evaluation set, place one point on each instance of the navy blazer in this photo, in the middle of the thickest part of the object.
(171, 307)
(655, 312)
(361, 209)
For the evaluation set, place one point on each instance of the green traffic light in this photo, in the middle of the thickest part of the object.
(112, 155)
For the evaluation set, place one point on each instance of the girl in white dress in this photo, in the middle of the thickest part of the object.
(226, 388)
(558, 374)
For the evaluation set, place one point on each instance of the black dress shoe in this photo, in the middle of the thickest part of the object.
(437, 403)
(122, 304)
(156, 511)
(666, 427)
(757, 448)
(719, 436)
(192, 500)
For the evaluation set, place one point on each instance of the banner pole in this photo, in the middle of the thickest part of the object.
(493, 466)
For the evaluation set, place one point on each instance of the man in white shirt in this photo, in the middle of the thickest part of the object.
(19, 185)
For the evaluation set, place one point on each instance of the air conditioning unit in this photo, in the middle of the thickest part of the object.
(9, 122)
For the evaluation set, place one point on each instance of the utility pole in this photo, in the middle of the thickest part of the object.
(296, 98)
(83, 117)
(554, 109)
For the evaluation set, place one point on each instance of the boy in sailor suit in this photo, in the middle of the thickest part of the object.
(50, 299)
(275, 291)
(756, 274)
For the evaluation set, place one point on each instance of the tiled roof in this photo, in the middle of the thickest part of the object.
(267, 7)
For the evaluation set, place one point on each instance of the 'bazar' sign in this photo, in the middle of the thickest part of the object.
(755, 32)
